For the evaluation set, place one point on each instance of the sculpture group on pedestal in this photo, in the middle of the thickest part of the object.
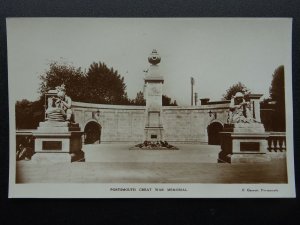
(59, 137)
(244, 137)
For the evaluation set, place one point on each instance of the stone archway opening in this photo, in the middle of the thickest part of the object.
(92, 133)
(213, 131)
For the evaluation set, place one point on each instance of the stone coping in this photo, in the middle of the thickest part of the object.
(135, 107)
(156, 79)
(281, 134)
(56, 134)
(25, 131)
(218, 102)
(44, 134)
(247, 135)
(106, 106)
(154, 127)
(198, 107)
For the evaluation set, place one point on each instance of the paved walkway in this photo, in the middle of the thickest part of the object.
(118, 164)
(188, 153)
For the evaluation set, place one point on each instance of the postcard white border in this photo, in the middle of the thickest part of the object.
(102, 190)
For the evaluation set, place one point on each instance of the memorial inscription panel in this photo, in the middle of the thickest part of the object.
(52, 145)
(249, 146)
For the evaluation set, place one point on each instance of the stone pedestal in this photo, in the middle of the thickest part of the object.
(58, 142)
(154, 134)
(244, 143)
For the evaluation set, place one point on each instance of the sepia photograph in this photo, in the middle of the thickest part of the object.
(150, 107)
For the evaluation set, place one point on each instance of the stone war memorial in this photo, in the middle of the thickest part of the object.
(235, 125)
(156, 123)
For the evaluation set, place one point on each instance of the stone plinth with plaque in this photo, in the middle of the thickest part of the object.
(56, 139)
(244, 139)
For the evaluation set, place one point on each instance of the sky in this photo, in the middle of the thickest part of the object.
(216, 52)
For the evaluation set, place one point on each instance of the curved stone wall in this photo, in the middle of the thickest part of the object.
(121, 123)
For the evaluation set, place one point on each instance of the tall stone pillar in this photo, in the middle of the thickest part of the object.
(153, 95)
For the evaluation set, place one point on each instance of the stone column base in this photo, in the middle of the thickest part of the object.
(244, 145)
(249, 158)
(41, 157)
(58, 142)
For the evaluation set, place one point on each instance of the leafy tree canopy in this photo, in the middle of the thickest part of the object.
(29, 114)
(167, 101)
(104, 85)
(99, 85)
(139, 99)
(232, 90)
(277, 94)
(59, 73)
(277, 85)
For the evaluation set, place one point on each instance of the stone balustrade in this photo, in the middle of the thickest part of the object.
(277, 142)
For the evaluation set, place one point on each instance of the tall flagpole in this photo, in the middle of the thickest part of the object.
(196, 98)
(192, 89)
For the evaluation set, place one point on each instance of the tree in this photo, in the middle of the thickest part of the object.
(166, 101)
(277, 94)
(99, 85)
(29, 114)
(267, 113)
(139, 99)
(277, 85)
(105, 85)
(62, 73)
(231, 91)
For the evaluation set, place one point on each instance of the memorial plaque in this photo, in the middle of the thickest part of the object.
(52, 145)
(153, 136)
(249, 146)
